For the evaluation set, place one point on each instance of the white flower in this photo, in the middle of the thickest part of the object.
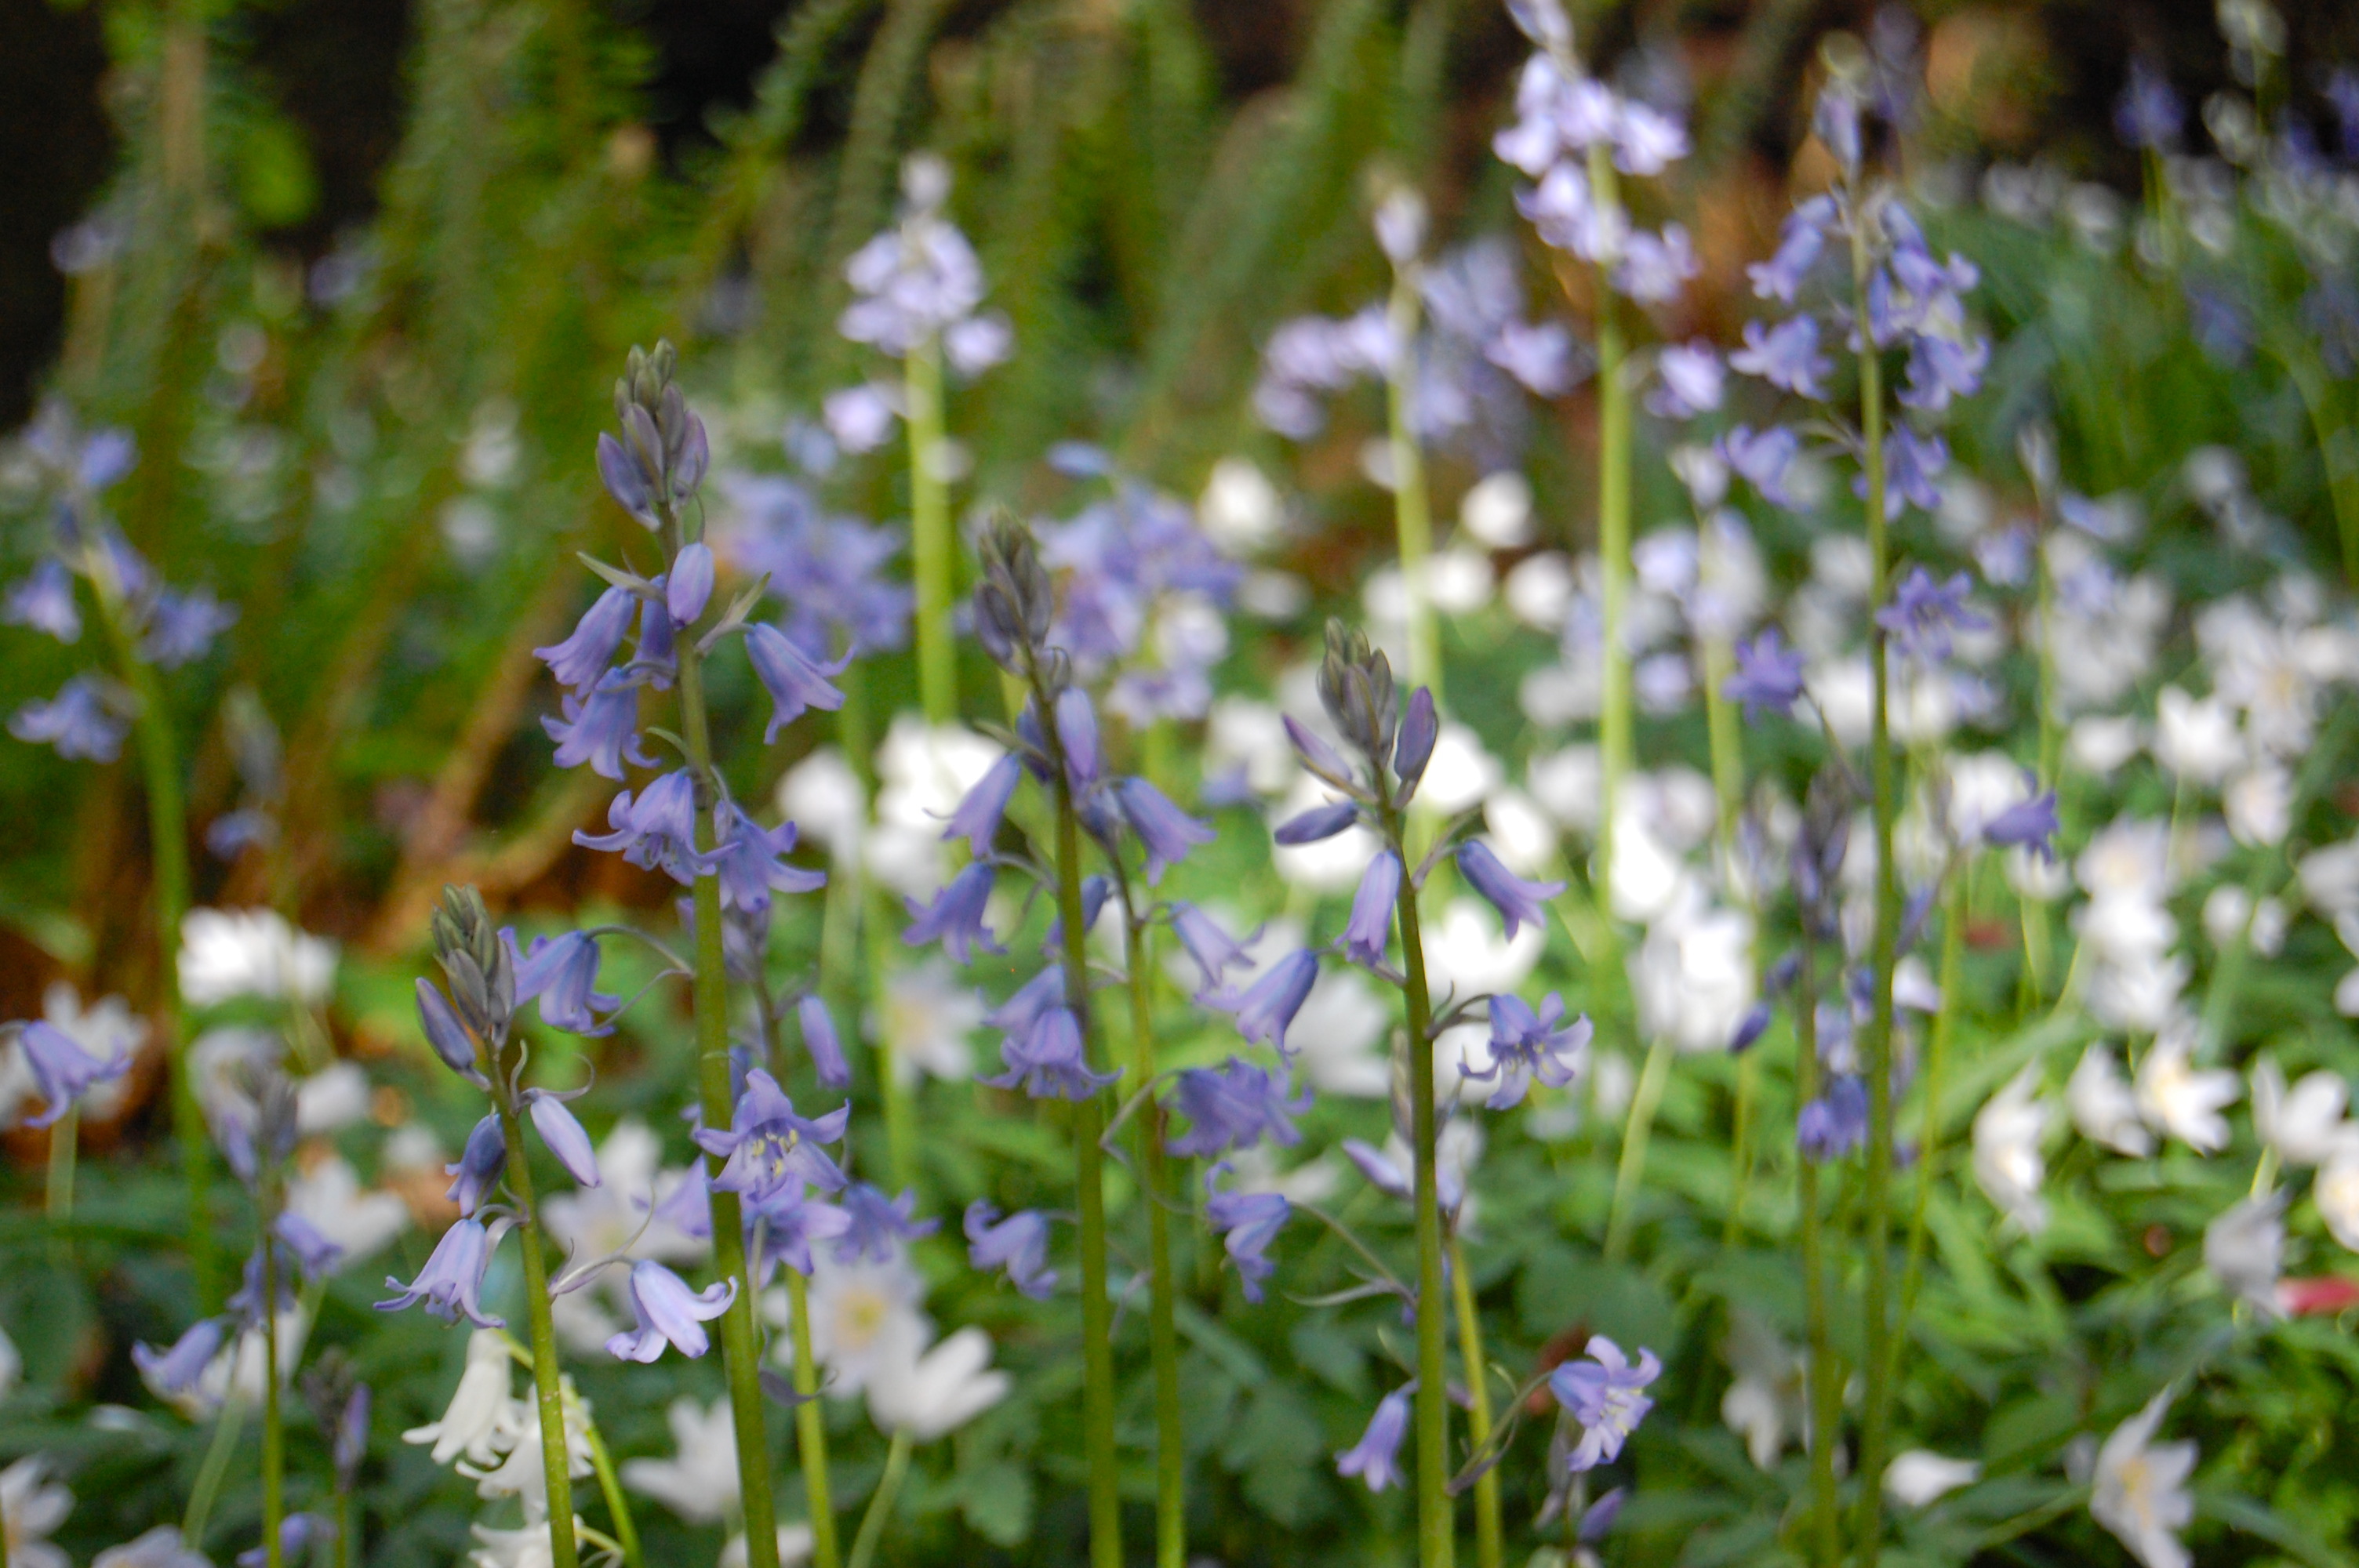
(2329, 878)
(1520, 831)
(1540, 590)
(922, 774)
(1646, 879)
(523, 1473)
(330, 1197)
(1678, 805)
(1468, 948)
(2180, 1100)
(30, 1511)
(1461, 774)
(2128, 858)
(2138, 992)
(2195, 738)
(2103, 1107)
(1243, 735)
(2229, 913)
(1981, 785)
(525, 1548)
(2036, 876)
(333, 1098)
(2007, 1163)
(1240, 511)
(929, 1393)
(1567, 784)
(822, 796)
(2336, 1193)
(2140, 1492)
(924, 1020)
(1843, 691)
(482, 1421)
(2258, 804)
(699, 1483)
(2101, 743)
(2245, 1248)
(2305, 1124)
(159, 1548)
(1918, 1477)
(228, 953)
(795, 1542)
(857, 1310)
(1768, 1402)
(1693, 977)
(1497, 511)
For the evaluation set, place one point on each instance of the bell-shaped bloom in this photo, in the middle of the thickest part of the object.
(794, 682)
(45, 601)
(1606, 1396)
(1517, 900)
(1835, 1124)
(1230, 1108)
(581, 659)
(656, 658)
(768, 1145)
(562, 973)
(1248, 1223)
(668, 1313)
(1265, 1008)
(1370, 930)
(750, 861)
(62, 1071)
(79, 722)
(792, 1221)
(1048, 1060)
(655, 831)
(1768, 675)
(819, 1039)
(1316, 754)
(1786, 355)
(447, 1035)
(478, 1165)
(181, 627)
(1420, 727)
(1321, 822)
(602, 728)
(876, 1226)
(2031, 825)
(1019, 1244)
(1526, 1045)
(1077, 732)
(1213, 950)
(452, 1284)
(688, 587)
(1166, 832)
(1924, 614)
(174, 1371)
(314, 1250)
(562, 1136)
(955, 918)
(976, 820)
(1376, 1459)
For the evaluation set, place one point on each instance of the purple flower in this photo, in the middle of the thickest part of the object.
(312, 1250)
(176, 1370)
(1605, 1394)
(1923, 613)
(562, 1136)
(1654, 269)
(1212, 949)
(1165, 831)
(447, 1035)
(2148, 115)
(1375, 1458)
(1835, 1124)
(1019, 1244)
(478, 1165)
(1230, 1108)
(45, 601)
(1940, 368)
(976, 820)
(1267, 1007)
(830, 570)
(1024, 1007)
(668, 1310)
(655, 832)
(1526, 1044)
(1645, 140)
(1516, 900)
(1077, 734)
(790, 1221)
(768, 1145)
(792, 679)
(1800, 243)
(581, 659)
(1750, 1028)
(601, 730)
(955, 918)
(297, 1532)
(1540, 354)
(1048, 1060)
(1597, 1521)
(452, 1284)
(1912, 463)
(1786, 355)
(348, 1445)
(79, 722)
(2031, 825)
(1316, 754)
(62, 1071)
(748, 860)
(1249, 1223)
(1689, 378)
(689, 587)
(1420, 727)
(1382, 1173)
(655, 658)
(877, 1226)
(1768, 675)
(562, 973)
(1370, 929)
(1836, 121)
(1319, 823)
(819, 1039)
(1764, 459)
(181, 627)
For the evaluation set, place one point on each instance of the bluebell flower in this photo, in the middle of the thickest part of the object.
(1765, 459)
(62, 1071)
(877, 1226)
(1606, 1396)
(1165, 831)
(233, 833)
(1048, 1060)
(297, 1534)
(1598, 1520)
(1750, 1028)
(582, 657)
(1835, 1124)
(1248, 1223)
(562, 973)
(1024, 1007)
(749, 860)
(1370, 930)
(688, 1208)
(655, 659)
(348, 1445)
(1924, 614)
(1940, 368)
(787, 1221)
(2148, 115)
(1768, 675)
(1230, 1109)
(1382, 1173)
(1317, 755)
(1420, 727)
(79, 721)
(767, 1144)
(1266, 1008)
(1120, 559)
(1912, 466)
(1653, 267)
(1077, 736)
(661, 458)
(452, 1284)
(1517, 901)
(819, 1039)
(1835, 120)
(313, 1250)
(1319, 823)
(1019, 1244)
(794, 681)
(478, 1165)
(979, 812)
(955, 918)
(2031, 824)
(655, 831)
(1526, 1045)
(1786, 355)
(1688, 381)
(688, 588)
(175, 1371)
(447, 1035)
(602, 728)
(668, 1311)
(562, 1136)
(181, 627)
(1800, 243)
(246, 1305)
(45, 601)
(1376, 1459)
(1212, 949)
(829, 571)
(919, 280)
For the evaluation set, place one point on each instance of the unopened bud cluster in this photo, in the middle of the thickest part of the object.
(1014, 604)
(476, 963)
(661, 458)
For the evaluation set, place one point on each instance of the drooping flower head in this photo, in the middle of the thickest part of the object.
(768, 1145)
(1606, 1396)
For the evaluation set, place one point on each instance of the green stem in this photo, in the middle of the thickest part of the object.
(741, 1347)
(1615, 741)
(930, 541)
(343, 1549)
(1825, 1381)
(1436, 1543)
(65, 1138)
(1636, 1134)
(618, 1507)
(2336, 447)
(228, 1421)
(880, 1507)
(273, 1436)
(549, 1388)
(1748, 1091)
(900, 1135)
(810, 1418)
(1412, 508)
(1162, 1333)
(1937, 1056)
(1487, 1540)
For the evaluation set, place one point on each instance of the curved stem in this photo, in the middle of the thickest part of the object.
(810, 1418)
(1412, 509)
(1825, 1381)
(1163, 1335)
(229, 1423)
(1636, 1134)
(880, 1507)
(618, 1507)
(930, 542)
(1487, 1545)
(548, 1384)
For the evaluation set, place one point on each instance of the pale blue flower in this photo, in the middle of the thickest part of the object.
(668, 1311)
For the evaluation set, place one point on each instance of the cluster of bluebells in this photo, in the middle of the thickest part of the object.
(830, 570)
(166, 627)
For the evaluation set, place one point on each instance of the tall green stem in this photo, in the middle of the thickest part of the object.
(548, 1384)
(342, 1552)
(1929, 1139)
(1162, 1333)
(618, 1507)
(1436, 1543)
(1615, 744)
(810, 1418)
(1824, 1392)
(880, 1507)
(1487, 1537)
(741, 1349)
(1412, 509)
(274, 1435)
(1868, 1526)
(229, 1423)
(930, 542)
(1636, 1133)
(65, 1138)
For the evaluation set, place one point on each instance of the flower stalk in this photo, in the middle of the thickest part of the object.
(273, 1435)
(1488, 1544)
(1824, 1393)
(549, 1391)
(930, 542)
(880, 1507)
(810, 1424)
(1162, 1331)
